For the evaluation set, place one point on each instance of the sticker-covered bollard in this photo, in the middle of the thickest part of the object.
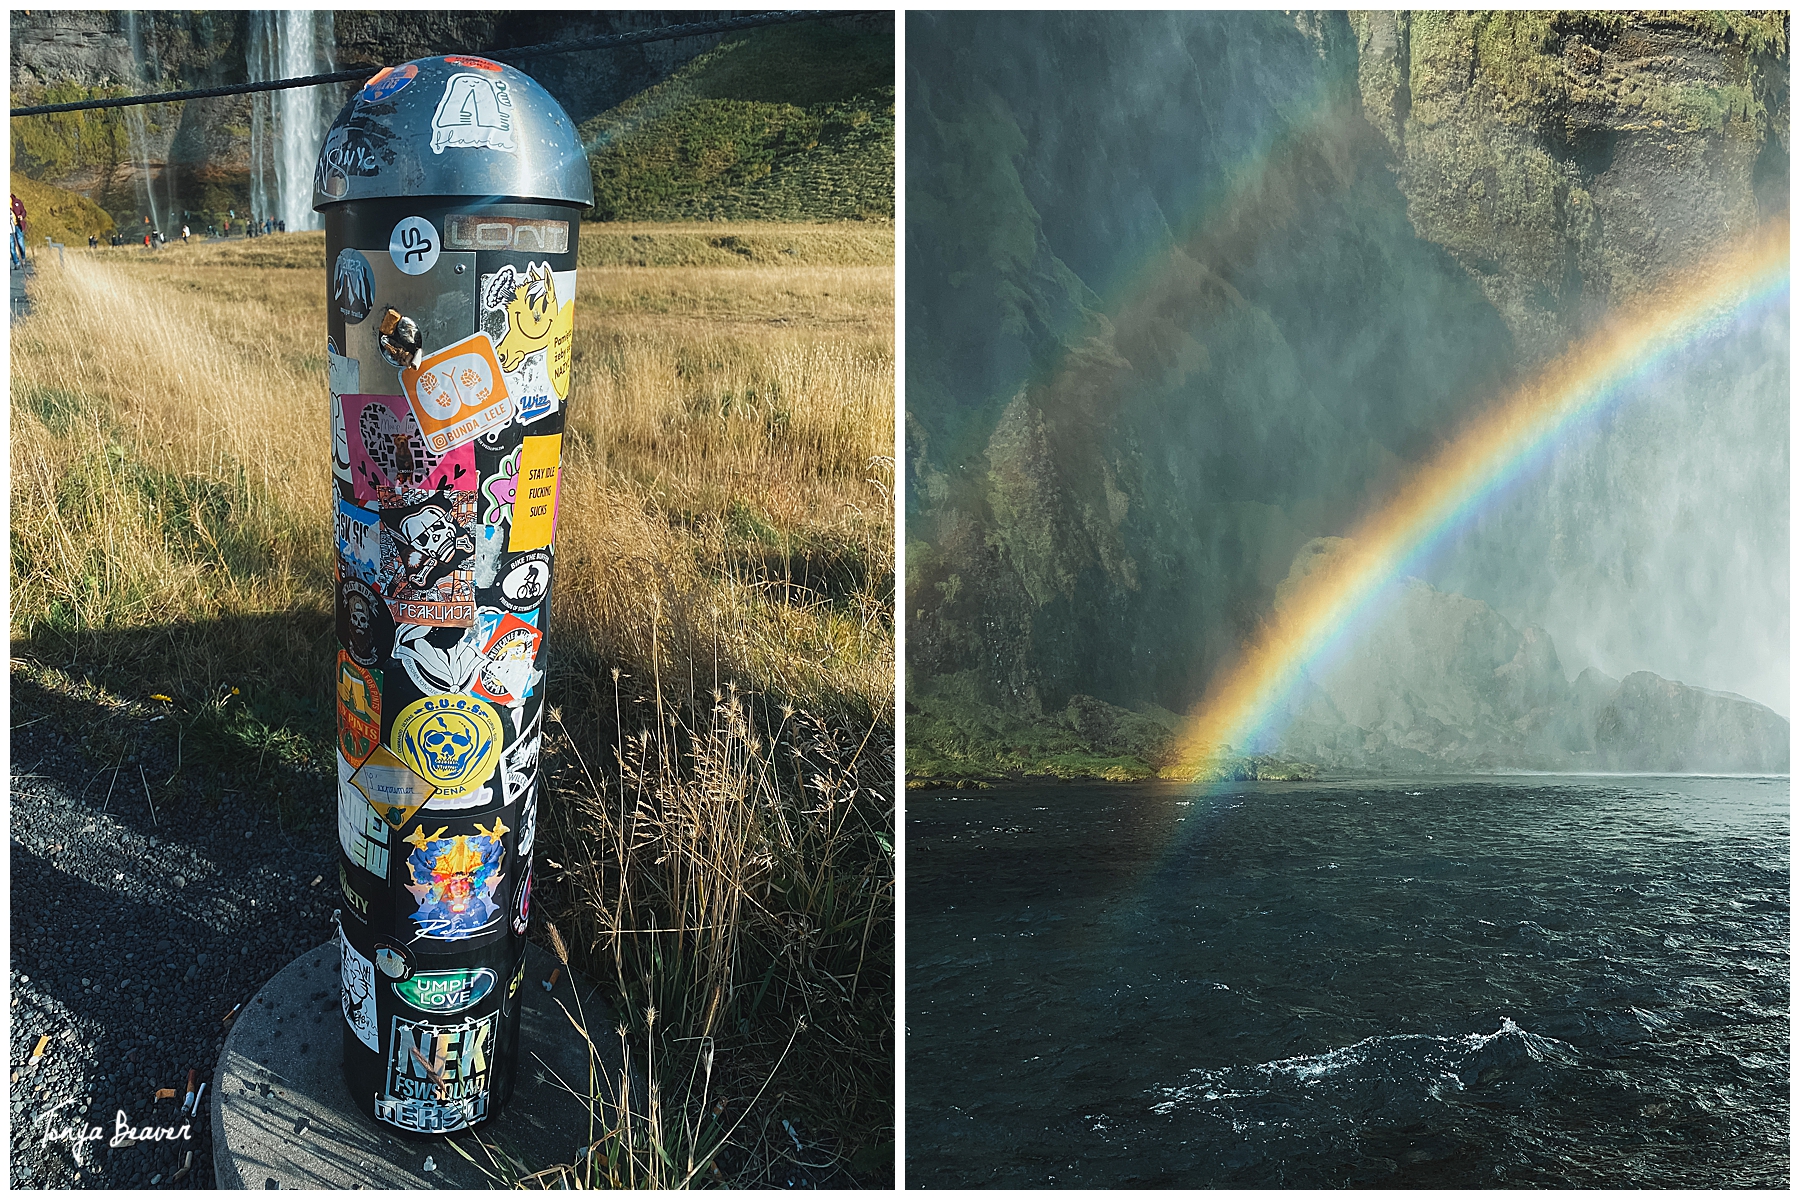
(452, 190)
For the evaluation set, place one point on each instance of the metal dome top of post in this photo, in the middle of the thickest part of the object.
(454, 125)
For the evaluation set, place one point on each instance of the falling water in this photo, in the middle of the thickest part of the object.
(145, 66)
(286, 127)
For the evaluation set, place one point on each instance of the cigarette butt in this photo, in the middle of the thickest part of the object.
(165, 1093)
(39, 1052)
(187, 1101)
(198, 1096)
(226, 1019)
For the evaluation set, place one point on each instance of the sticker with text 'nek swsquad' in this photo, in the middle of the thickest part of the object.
(534, 506)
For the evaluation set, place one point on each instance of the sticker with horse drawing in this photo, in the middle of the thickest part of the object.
(530, 315)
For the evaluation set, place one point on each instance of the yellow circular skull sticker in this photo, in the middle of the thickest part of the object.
(453, 742)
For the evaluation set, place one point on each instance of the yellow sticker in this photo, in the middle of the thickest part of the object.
(453, 741)
(393, 789)
(534, 505)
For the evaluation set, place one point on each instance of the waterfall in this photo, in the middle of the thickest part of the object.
(145, 65)
(286, 127)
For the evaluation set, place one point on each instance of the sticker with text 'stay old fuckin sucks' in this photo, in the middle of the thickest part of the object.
(358, 993)
(534, 508)
(458, 393)
(454, 879)
(386, 449)
(531, 317)
(427, 553)
(358, 708)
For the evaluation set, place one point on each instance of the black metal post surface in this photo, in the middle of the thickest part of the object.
(452, 190)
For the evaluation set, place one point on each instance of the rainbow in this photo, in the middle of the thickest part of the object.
(1490, 452)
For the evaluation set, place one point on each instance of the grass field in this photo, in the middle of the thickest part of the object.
(720, 822)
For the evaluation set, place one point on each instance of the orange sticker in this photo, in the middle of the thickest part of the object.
(458, 394)
(534, 504)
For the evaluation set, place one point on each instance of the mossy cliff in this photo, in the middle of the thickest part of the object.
(1184, 290)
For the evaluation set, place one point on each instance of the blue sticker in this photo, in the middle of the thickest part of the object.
(359, 542)
(388, 82)
(454, 880)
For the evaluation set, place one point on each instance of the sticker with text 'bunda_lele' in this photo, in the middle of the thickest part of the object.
(534, 507)
(458, 393)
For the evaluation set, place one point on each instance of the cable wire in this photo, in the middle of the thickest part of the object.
(661, 33)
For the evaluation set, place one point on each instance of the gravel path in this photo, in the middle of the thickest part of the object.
(134, 936)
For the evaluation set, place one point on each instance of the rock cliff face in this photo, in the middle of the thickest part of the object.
(1186, 291)
(200, 152)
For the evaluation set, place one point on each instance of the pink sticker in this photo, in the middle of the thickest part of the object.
(387, 450)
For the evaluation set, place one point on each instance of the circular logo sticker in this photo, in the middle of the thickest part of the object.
(452, 741)
(414, 246)
(353, 285)
(447, 991)
(523, 586)
(388, 81)
(393, 961)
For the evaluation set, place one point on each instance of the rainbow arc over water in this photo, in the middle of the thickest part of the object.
(1507, 438)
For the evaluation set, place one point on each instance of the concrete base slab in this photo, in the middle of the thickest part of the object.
(282, 1117)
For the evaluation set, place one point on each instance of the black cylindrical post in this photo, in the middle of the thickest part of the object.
(452, 190)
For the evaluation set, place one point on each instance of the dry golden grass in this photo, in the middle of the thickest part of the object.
(722, 634)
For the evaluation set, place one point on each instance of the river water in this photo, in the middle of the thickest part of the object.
(1486, 982)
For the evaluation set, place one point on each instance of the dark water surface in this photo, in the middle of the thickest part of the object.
(1503, 981)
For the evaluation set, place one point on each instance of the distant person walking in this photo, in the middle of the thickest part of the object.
(184, 235)
(93, 242)
(16, 235)
(12, 239)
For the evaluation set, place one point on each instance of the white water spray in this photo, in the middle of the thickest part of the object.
(286, 127)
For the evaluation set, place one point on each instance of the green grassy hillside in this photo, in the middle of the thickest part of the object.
(792, 123)
(65, 216)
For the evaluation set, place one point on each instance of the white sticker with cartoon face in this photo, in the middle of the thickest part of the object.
(475, 112)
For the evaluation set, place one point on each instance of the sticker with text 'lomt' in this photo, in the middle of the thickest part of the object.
(457, 393)
(534, 507)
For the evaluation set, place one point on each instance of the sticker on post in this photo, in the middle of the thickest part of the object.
(386, 82)
(362, 833)
(522, 917)
(534, 333)
(392, 790)
(534, 509)
(445, 992)
(438, 658)
(414, 245)
(353, 286)
(455, 879)
(395, 962)
(386, 449)
(475, 113)
(364, 627)
(359, 993)
(457, 393)
(500, 489)
(526, 582)
(438, 1075)
(452, 741)
(359, 542)
(358, 708)
(357, 902)
(427, 548)
(508, 672)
